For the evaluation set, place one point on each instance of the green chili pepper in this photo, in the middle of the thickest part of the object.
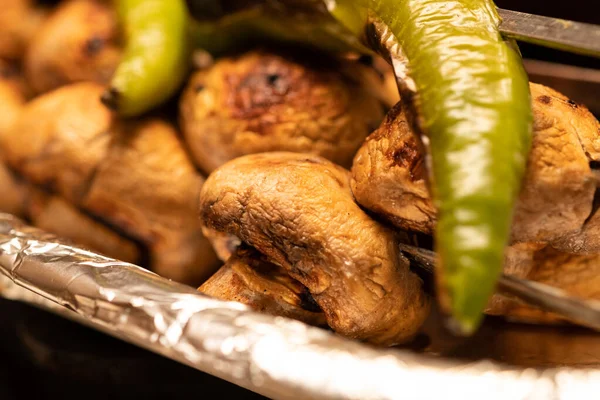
(301, 23)
(474, 109)
(156, 55)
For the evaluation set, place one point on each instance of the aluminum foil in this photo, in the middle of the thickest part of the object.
(276, 357)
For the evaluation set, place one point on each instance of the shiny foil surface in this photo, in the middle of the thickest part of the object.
(276, 357)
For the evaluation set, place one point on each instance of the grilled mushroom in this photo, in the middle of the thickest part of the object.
(389, 178)
(297, 210)
(76, 43)
(19, 20)
(134, 176)
(249, 279)
(266, 101)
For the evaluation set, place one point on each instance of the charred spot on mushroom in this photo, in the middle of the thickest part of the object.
(94, 45)
(252, 94)
(544, 99)
(410, 158)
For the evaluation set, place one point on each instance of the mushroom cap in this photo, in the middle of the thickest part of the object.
(298, 210)
(60, 138)
(77, 42)
(266, 101)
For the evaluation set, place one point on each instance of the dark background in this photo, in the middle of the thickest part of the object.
(46, 357)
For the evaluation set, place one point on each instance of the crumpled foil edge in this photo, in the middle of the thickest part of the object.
(276, 357)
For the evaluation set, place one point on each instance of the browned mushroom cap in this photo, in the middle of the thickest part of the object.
(19, 20)
(147, 186)
(262, 101)
(578, 275)
(136, 176)
(55, 215)
(60, 138)
(76, 43)
(388, 176)
(249, 279)
(297, 209)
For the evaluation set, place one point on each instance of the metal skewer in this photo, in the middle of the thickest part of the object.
(556, 33)
(544, 297)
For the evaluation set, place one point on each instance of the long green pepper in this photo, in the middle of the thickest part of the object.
(156, 57)
(474, 108)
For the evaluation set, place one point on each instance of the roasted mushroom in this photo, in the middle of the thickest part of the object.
(266, 101)
(298, 210)
(135, 176)
(19, 20)
(389, 177)
(78, 42)
(249, 279)
(576, 274)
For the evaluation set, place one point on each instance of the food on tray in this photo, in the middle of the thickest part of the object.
(105, 134)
